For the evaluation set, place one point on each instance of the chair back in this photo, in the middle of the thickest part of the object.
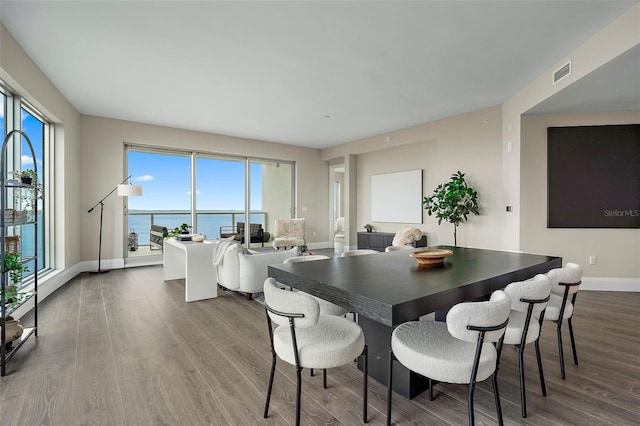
(290, 228)
(493, 313)
(398, 248)
(359, 252)
(309, 258)
(281, 303)
(537, 288)
(570, 274)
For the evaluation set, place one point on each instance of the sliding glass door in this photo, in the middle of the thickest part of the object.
(220, 195)
(225, 189)
(166, 200)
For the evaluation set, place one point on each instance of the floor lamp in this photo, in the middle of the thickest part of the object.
(125, 189)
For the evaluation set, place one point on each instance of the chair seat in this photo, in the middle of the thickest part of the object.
(513, 334)
(553, 308)
(332, 342)
(430, 350)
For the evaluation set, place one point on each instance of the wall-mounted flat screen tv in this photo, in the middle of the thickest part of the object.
(593, 176)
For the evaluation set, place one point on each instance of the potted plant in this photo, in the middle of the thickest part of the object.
(179, 230)
(368, 227)
(14, 266)
(452, 201)
(26, 197)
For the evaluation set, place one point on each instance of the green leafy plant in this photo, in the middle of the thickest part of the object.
(453, 202)
(26, 197)
(14, 266)
(179, 230)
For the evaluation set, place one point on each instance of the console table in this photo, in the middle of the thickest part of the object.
(381, 240)
(191, 261)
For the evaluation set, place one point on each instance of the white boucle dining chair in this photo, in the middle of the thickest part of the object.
(326, 307)
(305, 339)
(359, 252)
(565, 283)
(458, 351)
(528, 301)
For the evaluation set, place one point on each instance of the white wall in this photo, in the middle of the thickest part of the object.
(27, 81)
(612, 41)
(103, 163)
(617, 250)
(469, 143)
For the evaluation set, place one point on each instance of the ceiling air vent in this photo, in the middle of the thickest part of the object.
(562, 72)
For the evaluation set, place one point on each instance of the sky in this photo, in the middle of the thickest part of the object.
(166, 182)
(33, 128)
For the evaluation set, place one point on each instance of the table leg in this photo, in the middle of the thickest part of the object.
(378, 340)
(201, 281)
(173, 262)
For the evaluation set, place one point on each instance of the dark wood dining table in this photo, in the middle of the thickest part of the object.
(388, 289)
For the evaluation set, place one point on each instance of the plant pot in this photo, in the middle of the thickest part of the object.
(26, 180)
(13, 331)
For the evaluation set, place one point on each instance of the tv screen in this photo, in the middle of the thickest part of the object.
(593, 176)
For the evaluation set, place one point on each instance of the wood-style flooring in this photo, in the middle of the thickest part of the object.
(124, 348)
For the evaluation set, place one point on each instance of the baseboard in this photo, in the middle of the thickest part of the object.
(610, 284)
(50, 283)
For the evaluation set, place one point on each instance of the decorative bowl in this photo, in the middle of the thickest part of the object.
(198, 238)
(430, 256)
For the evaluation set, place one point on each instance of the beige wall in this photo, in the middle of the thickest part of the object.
(103, 165)
(617, 250)
(612, 41)
(469, 143)
(26, 79)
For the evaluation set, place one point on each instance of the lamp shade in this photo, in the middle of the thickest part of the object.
(127, 190)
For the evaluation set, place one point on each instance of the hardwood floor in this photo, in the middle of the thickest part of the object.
(124, 348)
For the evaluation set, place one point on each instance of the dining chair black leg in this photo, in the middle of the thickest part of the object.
(430, 390)
(496, 397)
(560, 352)
(523, 398)
(365, 384)
(324, 378)
(311, 372)
(472, 386)
(573, 342)
(298, 394)
(273, 370)
(390, 387)
(540, 371)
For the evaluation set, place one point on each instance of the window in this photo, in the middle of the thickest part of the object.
(205, 190)
(17, 114)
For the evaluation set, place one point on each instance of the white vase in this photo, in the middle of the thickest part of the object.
(13, 331)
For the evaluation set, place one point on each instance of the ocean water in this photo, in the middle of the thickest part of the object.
(208, 224)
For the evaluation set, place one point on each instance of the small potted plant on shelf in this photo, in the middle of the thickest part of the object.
(14, 266)
(26, 197)
(26, 176)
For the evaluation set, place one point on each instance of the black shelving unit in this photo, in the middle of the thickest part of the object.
(8, 186)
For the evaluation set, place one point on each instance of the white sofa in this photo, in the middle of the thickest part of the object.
(245, 270)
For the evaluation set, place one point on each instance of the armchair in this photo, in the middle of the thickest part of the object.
(244, 270)
(289, 233)
(257, 234)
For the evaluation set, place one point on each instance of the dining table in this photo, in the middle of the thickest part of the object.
(387, 289)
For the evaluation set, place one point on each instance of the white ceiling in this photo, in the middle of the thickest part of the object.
(307, 73)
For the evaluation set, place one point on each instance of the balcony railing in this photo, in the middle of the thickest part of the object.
(208, 221)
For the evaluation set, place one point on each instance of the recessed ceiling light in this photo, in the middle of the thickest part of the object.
(327, 116)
